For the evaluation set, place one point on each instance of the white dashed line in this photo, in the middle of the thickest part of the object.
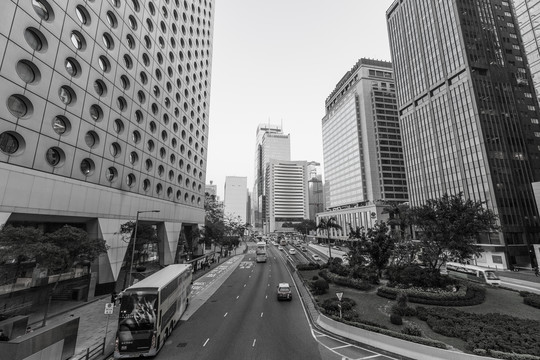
(225, 314)
(254, 341)
(206, 342)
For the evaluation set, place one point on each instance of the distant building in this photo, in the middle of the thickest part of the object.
(315, 190)
(235, 197)
(469, 118)
(211, 189)
(271, 143)
(363, 156)
(104, 116)
(286, 193)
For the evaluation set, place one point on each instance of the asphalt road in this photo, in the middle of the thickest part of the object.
(244, 320)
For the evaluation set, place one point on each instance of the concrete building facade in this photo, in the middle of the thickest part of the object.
(105, 114)
(235, 202)
(468, 115)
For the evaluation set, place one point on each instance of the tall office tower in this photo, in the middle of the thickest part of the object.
(286, 193)
(104, 118)
(315, 190)
(528, 17)
(468, 117)
(363, 160)
(271, 143)
(235, 197)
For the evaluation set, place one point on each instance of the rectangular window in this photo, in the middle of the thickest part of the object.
(537, 134)
(534, 121)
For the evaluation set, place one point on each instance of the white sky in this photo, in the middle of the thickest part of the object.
(277, 61)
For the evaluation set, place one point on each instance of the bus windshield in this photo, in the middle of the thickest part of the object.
(138, 311)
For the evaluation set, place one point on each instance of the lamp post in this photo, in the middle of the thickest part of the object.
(135, 240)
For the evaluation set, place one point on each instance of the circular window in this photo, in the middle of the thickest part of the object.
(146, 59)
(146, 185)
(128, 62)
(147, 42)
(96, 113)
(111, 174)
(150, 25)
(155, 108)
(178, 195)
(124, 81)
(115, 3)
(130, 41)
(169, 191)
(162, 152)
(108, 41)
(61, 125)
(115, 149)
(159, 189)
(11, 143)
(87, 167)
(55, 156)
(136, 137)
(136, 5)
(172, 159)
(153, 127)
(130, 180)
(28, 72)
(77, 40)
(171, 175)
(132, 22)
(164, 135)
(148, 164)
(118, 126)
(35, 39)
(82, 15)
(150, 145)
(143, 77)
(72, 67)
(174, 143)
(156, 91)
(121, 103)
(91, 139)
(43, 10)
(104, 64)
(141, 96)
(100, 87)
(161, 170)
(152, 8)
(133, 158)
(111, 20)
(139, 116)
(19, 106)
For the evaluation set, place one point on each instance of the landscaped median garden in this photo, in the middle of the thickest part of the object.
(421, 305)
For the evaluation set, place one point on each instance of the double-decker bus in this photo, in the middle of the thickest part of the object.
(473, 273)
(261, 251)
(150, 309)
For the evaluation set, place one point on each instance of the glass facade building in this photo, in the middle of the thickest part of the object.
(468, 116)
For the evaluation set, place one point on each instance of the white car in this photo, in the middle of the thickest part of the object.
(292, 251)
(316, 257)
(280, 247)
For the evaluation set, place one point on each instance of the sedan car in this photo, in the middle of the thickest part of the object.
(284, 292)
(292, 251)
(316, 257)
(280, 247)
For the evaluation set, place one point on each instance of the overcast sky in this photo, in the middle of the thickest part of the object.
(276, 62)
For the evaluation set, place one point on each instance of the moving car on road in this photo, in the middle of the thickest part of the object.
(316, 257)
(292, 251)
(284, 291)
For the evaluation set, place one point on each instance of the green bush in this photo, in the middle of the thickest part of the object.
(416, 276)
(320, 286)
(465, 296)
(344, 281)
(532, 300)
(412, 329)
(315, 277)
(396, 319)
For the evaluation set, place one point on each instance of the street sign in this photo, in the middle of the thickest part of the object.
(109, 308)
(339, 295)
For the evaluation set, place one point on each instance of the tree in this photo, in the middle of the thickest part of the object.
(146, 235)
(449, 228)
(327, 225)
(375, 243)
(398, 217)
(214, 226)
(305, 226)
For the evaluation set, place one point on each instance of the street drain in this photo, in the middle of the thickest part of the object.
(181, 345)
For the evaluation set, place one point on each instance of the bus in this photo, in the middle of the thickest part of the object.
(473, 273)
(150, 309)
(261, 251)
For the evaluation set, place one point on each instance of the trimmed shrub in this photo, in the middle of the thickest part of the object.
(310, 266)
(396, 319)
(416, 276)
(465, 296)
(411, 329)
(532, 300)
(315, 277)
(320, 286)
(344, 281)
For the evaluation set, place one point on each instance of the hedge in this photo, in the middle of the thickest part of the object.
(532, 300)
(504, 355)
(345, 281)
(310, 266)
(465, 296)
(380, 330)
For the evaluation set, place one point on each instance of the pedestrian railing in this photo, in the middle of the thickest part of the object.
(92, 352)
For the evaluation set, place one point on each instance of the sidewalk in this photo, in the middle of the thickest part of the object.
(93, 322)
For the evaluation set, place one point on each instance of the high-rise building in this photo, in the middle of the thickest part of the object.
(363, 159)
(468, 116)
(104, 118)
(286, 194)
(236, 197)
(315, 190)
(528, 18)
(271, 143)
(211, 189)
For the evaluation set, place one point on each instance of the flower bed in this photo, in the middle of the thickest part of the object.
(345, 281)
(465, 295)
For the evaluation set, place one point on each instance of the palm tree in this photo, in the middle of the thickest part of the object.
(328, 224)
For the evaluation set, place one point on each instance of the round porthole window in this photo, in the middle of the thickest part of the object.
(111, 174)
(11, 143)
(87, 167)
(28, 72)
(55, 156)
(19, 106)
(61, 125)
(35, 39)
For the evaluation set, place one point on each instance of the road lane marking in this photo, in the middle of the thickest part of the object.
(245, 285)
(266, 297)
(225, 314)
(237, 297)
(254, 341)
(206, 342)
(249, 276)
(262, 314)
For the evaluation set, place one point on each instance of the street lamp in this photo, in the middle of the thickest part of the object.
(135, 241)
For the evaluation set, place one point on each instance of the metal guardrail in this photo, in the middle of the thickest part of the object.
(92, 353)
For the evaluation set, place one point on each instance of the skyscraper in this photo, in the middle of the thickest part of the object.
(363, 160)
(468, 116)
(104, 115)
(236, 197)
(315, 190)
(271, 143)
